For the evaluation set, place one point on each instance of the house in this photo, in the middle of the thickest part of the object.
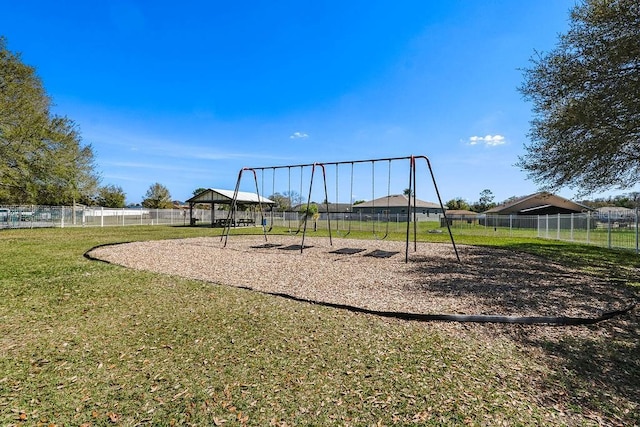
(396, 204)
(614, 213)
(541, 203)
(325, 207)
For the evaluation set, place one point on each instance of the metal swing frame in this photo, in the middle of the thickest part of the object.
(411, 203)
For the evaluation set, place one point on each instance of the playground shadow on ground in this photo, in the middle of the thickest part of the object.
(587, 364)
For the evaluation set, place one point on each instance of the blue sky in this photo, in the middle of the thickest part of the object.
(188, 93)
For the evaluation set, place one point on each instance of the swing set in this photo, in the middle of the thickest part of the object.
(411, 214)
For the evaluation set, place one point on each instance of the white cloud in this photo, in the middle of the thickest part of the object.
(298, 135)
(489, 140)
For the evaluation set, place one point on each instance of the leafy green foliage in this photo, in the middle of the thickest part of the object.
(308, 210)
(198, 191)
(458, 204)
(157, 197)
(42, 158)
(586, 101)
(485, 201)
(111, 196)
(282, 202)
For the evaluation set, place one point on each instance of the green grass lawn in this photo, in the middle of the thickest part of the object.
(88, 343)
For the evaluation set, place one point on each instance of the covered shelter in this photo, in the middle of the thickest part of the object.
(244, 202)
(542, 203)
(459, 215)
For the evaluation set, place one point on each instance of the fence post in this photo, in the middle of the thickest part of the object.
(571, 232)
(609, 229)
(588, 226)
(510, 224)
(101, 216)
(558, 229)
(637, 230)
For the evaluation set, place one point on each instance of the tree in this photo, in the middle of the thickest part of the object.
(198, 191)
(157, 197)
(294, 197)
(585, 133)
(485, 202)
(458, 204)
(42, 158)
(309, 210)
(282, 202)
(111, 196)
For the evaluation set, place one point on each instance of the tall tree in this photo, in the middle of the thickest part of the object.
(294, 198)
(485, 202)
(157, 197)
(585, 133)
(282, 202)
(458, 204)
(42, 158)
(111, 196)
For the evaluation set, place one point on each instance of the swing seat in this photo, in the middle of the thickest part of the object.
(267, 246)
(347, 251)
(382, 254)
(294, 247)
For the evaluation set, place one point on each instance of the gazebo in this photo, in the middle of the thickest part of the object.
(214, 196)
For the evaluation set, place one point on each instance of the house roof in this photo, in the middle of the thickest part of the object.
(616, 209)
(395, 201)
(322, 207)
(460, 213)
(214, 195)
(614, 212)
(538, 204)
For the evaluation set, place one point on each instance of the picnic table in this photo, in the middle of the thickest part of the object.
(223, 222)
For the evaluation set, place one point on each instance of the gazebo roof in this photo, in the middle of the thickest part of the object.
(215, 195)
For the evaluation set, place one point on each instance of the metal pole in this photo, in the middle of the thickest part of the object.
(510, 224)
(609, 229)
(444, 213)
(406, 247)
(307, 211)
(636, 230)
(227, 226)
(326, 198)
(571, 234)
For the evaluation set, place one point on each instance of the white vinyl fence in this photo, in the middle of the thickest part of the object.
(605, 229)
(82, 216)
